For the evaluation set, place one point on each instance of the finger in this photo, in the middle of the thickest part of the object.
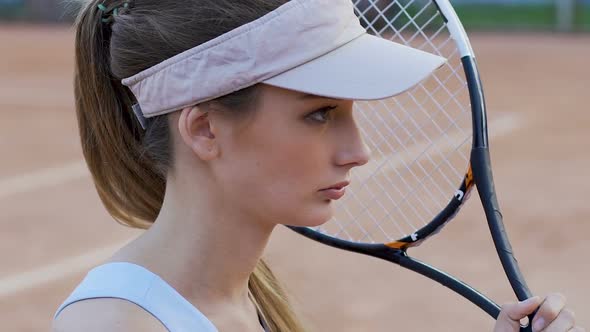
(512, 313)
(548, 311)
(564, 322)
(518, 311)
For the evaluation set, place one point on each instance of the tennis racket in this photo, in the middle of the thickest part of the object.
(429, 149)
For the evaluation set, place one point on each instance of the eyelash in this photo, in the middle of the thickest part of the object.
(325, 111)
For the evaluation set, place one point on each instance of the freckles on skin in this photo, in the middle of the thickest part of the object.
(277, 163)
(296, 168)
(285, 158)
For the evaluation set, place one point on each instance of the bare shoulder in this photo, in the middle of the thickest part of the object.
(105, 314)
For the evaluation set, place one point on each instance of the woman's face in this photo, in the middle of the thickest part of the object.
(277, 163)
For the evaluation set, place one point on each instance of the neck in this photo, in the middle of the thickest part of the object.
(202, 248)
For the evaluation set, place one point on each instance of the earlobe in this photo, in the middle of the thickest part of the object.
(195, 129)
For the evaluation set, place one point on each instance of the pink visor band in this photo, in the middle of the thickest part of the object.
(312, 46)
(296, 32)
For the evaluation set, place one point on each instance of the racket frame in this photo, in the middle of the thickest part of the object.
(479, 173)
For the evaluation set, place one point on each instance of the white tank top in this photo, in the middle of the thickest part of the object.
(138, 285)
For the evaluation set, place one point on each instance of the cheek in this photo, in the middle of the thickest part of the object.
(277, 179)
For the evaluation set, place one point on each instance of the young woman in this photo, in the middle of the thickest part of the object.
(209, 123)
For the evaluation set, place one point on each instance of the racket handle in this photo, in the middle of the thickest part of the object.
(482, 174)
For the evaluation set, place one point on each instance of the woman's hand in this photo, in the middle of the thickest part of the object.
(552, 316)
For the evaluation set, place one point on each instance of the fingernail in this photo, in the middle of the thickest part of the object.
(530, 300)
(539, 324)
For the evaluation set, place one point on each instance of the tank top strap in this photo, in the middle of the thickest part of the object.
(138, 285)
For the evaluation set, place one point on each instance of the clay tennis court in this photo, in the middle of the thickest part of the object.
(54, 228)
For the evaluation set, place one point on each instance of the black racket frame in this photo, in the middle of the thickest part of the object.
(483, 178)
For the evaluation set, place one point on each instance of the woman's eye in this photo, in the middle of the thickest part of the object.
(322, 115)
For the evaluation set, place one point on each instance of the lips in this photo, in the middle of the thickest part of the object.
(337, 186)
(335, 191)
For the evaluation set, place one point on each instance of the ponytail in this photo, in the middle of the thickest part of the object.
(127, 181)
(129, 165)
(271, 300)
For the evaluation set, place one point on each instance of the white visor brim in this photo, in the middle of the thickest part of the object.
(367, 68)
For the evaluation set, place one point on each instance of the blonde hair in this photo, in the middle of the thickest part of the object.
(129, 165)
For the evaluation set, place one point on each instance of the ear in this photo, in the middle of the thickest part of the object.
(197, 133)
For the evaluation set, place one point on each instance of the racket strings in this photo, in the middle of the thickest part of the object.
(422, 153)
(392, 164)
(420, 140)
(410, 189)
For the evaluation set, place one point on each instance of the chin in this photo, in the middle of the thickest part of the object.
(314, 217)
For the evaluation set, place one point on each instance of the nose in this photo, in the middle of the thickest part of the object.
(352, 150)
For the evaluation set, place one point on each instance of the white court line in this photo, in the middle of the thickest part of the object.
(43, 178)
(56, 271)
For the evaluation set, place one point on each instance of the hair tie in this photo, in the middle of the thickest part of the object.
(108, 15)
